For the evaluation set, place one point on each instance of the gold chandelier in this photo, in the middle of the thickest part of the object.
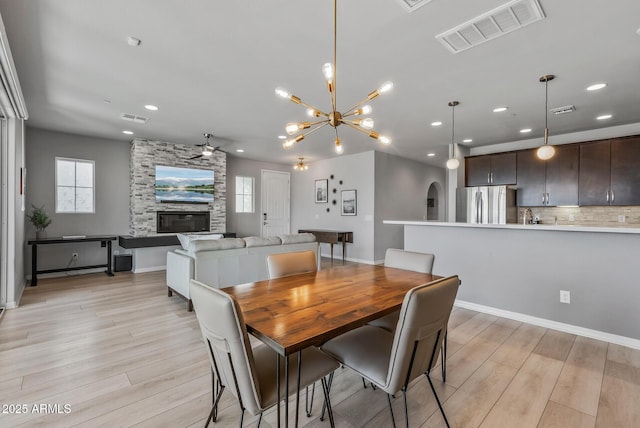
(301, 166)
(351, 117)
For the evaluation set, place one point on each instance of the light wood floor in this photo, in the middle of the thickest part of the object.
(119, 352)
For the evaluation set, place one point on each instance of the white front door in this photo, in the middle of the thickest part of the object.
(275, 205)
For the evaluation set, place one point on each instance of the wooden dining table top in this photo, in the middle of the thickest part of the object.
(298, 311)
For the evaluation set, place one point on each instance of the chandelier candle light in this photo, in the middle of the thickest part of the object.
(546, 151)
(301, 166)
(352, 117)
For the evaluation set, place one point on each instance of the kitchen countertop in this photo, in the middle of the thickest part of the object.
(540, 227)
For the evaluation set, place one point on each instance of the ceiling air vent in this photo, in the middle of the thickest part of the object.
(133, 118)
(411, 5)
(495, 23)
(561, 110)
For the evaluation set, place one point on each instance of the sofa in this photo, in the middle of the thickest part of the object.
(221, 262)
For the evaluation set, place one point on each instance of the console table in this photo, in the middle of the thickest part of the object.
(105, 241)
(332, 237)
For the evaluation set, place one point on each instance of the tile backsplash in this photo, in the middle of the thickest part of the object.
(628, 216)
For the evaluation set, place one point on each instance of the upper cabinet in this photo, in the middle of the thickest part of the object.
(610, 172)
(491, 169)
(605, 172)
(548, 183)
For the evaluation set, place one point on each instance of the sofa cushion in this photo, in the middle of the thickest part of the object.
(256, 241)
(219, 244)
(297, 238)
(186, 239)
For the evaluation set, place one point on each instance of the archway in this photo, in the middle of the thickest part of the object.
(435, 203)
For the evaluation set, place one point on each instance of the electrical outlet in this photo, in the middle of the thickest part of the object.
(74, 256)
(572, 217)
(621, 219)
(565, 296)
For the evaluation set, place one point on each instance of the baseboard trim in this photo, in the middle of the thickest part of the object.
(554, 325)
(149, 269)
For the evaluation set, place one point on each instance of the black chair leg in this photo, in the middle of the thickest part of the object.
(406, 408)
(443, 362)
(259, 421)
(324, 405)
(326, 388)
(435, 394)
(393, 419)
(309, 406)
(364, 383)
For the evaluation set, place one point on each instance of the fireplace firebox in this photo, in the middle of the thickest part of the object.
(183, 221)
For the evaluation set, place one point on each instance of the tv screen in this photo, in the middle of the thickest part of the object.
(184, 185)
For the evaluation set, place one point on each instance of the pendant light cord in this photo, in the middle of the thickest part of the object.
(453, 127)
(335, 49)
(546, 111)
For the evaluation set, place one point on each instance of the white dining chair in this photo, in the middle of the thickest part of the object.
(294, 263)
(392, 360)
(250, 373)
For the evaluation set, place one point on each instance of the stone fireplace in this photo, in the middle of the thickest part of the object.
(145, 155)
(182, 221)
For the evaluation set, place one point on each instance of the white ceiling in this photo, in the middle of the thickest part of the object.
(212, 66)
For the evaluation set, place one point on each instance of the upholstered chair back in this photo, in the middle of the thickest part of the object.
(420, 331)
(286, 264)
(409, 260)
(227, 343)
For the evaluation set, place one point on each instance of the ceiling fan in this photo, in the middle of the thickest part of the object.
(207, 149)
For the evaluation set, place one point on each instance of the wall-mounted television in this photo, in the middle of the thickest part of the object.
(184, 185)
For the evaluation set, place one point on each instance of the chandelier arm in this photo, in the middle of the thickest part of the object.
(320, 125)
(351, 111)
(358, 128)
(312, 107)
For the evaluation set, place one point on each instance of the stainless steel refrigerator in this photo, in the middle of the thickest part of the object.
(486, 205)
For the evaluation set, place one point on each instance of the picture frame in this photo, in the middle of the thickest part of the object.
(322, 191)
(349, 205)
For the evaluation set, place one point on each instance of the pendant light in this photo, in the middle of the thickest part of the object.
(546, 151)
(453, 163)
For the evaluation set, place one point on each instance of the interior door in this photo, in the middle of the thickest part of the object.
(275, 203)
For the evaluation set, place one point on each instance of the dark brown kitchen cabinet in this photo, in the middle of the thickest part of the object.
(625, 171)
(548, 183)
(595, 173)
(491, 169)
(531, 179)
(610, 172)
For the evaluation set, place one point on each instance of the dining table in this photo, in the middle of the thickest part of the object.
(291, 313)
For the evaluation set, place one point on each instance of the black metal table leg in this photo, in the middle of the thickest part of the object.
(298, 387)
(278, 387)
(109, 257)
(34, 265)
(286, 391)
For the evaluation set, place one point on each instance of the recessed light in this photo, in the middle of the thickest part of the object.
(596, 86)
(132, 41)
(437, 123)
(106, 101)
(467, 140)
(499, 109)
(240, 150)
(525, 130)
(431, 154)
(282, 137)
(128, 132)
(151, 107)
(604, 117)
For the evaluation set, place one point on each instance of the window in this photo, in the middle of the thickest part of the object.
(74, 186)
(244, 194)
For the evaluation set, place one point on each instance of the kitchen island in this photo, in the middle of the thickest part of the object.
(517, 271)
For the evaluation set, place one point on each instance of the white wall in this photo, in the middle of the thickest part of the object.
(247, 224)
(111, 194)
(401, 187)
(356, 172)
(388, 187)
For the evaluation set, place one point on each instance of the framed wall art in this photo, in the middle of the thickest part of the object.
(322, 191)
(349, 202)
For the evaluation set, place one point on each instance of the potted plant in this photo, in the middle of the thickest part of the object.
(40, 219)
